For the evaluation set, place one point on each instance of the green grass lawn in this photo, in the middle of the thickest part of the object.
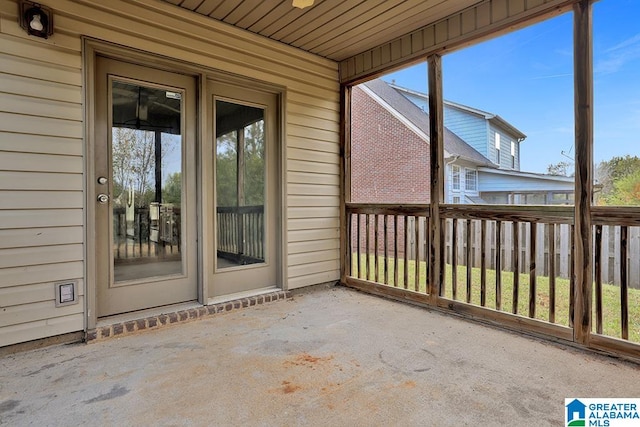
(610, 302)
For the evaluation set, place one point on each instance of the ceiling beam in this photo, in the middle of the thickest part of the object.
(484, 20)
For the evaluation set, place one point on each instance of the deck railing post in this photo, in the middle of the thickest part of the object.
(583, 98)
(436, 156)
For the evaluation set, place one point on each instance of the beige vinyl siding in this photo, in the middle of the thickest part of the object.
(42, 146)
(41, 183)
(313, 191)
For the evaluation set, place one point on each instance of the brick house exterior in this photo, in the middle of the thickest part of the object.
(390, 157)
(389, 161)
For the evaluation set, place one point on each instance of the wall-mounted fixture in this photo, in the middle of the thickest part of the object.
(301, 4)
(66, 293)
(37, 20)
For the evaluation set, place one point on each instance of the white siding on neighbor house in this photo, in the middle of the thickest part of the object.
(516, 154)
(41, 146)
(505, 148)
(505, 182)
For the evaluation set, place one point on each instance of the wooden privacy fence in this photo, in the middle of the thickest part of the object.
(626, 222)
(549, 238)
(609, 238)
(513, 240)
(240, 233)
(515, 261)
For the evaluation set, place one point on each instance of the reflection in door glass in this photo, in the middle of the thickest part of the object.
(240, 178)
(146, 158)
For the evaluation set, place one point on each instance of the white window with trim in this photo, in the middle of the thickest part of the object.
(513, 155)
(497, 143)
(455, 178)
(470, 179)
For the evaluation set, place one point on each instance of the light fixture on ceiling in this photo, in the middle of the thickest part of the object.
(36, 20)
(301, 4)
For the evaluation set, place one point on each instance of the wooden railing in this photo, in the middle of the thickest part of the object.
(140, 236)
(383, 250)
(622, 222)
(240, 232)
(509, 264)
(505, 242)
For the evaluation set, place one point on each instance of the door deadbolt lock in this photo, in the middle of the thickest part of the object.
(103, 198)
(102, 180)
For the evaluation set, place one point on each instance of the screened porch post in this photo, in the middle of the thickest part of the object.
(436, 157)
(345, 182)
(583, 93)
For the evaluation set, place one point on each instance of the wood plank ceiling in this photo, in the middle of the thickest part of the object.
(335, 29)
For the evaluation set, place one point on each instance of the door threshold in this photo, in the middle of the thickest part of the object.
(149, 312)
(240, 295)
(154, 318)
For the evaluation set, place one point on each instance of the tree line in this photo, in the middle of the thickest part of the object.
(617, 181)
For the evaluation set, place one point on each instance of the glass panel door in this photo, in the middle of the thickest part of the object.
(146, 157)
(144, 184)
(240, 179)
(246, 202)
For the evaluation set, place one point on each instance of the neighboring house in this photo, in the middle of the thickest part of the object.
(500, 186)
(390, 147)
(490, 134)
(482, 153)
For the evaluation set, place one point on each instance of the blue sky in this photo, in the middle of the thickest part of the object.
(526, 77)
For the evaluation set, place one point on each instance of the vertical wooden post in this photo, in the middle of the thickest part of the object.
(395, 251)
(468, 261)
(552, 272)
(583, 96)
(405, 281)
(425, 248)
(598, 273)
(386, 251)
(358, 245)
(367, 248)
(532, 269)
(376, 276)
(515, 262)
(436, 160)
(346, 222)
(454, 258)
(483, 263)
(498, 265)
(624, 283)
(572, 276)
(416, 283)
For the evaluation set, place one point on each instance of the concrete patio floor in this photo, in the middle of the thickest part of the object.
(328, 356)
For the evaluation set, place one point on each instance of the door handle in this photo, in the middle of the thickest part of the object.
(103, 198)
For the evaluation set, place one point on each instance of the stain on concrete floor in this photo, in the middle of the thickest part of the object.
(326, 357)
